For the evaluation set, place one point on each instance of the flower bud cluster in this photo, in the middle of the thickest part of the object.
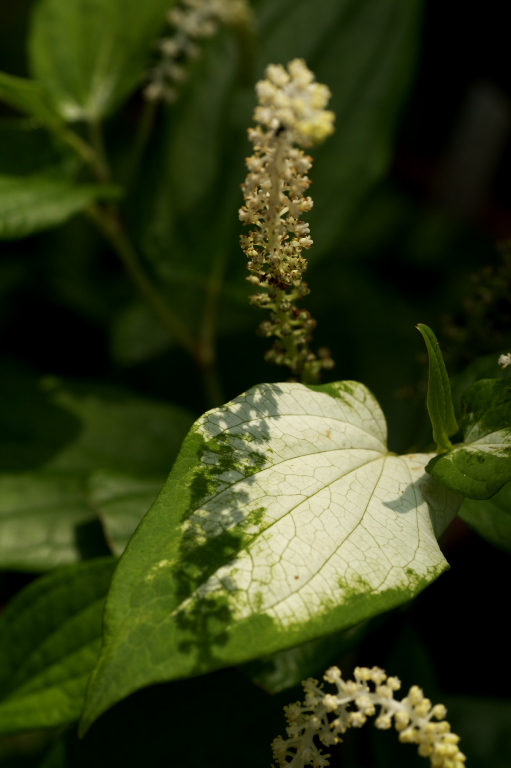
(191, 22)
(326, 716)
(291, 111)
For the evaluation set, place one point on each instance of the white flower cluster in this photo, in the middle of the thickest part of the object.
(326, 716)
(505, 360)
(291, 111)
(191, 21)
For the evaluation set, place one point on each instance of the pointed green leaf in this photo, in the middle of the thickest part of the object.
(480, 465)
(491, 518)
(29, 204)
(284, 519)
(90, 54)
(440, 407)
(51, 635)
(28, 96)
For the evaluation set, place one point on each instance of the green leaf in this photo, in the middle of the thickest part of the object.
(284, 519)
(29, 96)
(121, 502)
(51, 635)
(440, 407)
(480, 465)
(377, 44)
(90, 54)
(491, 518)
(72, 454)
(30, 204)
(46, 520)
(288, 668)
(485, 367)
(27, 149)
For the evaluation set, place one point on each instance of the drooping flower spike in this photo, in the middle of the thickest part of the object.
(324, 717)
(291, 111)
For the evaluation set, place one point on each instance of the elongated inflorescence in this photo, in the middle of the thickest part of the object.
(291, 112)
(191, 21)
(324, 717)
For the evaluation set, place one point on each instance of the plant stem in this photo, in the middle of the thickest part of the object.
(98, 144)
(207, 335)
(144, 133)
(82, 148)
(108, 222)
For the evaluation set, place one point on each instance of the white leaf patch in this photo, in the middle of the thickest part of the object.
(326, 512)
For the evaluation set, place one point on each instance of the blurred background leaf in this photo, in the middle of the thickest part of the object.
(31, 203)
(89, 54)
(70, 451)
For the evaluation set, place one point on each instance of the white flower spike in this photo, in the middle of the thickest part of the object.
(505, 360)
(291, 111)
(327, 716)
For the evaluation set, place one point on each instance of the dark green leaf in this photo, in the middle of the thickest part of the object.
(28, 96)
(90, 54)
(121, 502)
(491, 518)
(46, 519)
(29, 204)
(27, 149)
(485, 367)
(440, 407)
(253, 545)
(377, 44)
(51, 635)
(88, 449)
(480, 465)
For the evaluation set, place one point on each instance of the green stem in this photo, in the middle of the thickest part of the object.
(82, 148)
(208, 332)
(108, 222)
(144, 133)
(98, 144)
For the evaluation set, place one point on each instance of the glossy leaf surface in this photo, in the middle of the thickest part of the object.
(480, 465)
(51, 635)
(284, 519)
